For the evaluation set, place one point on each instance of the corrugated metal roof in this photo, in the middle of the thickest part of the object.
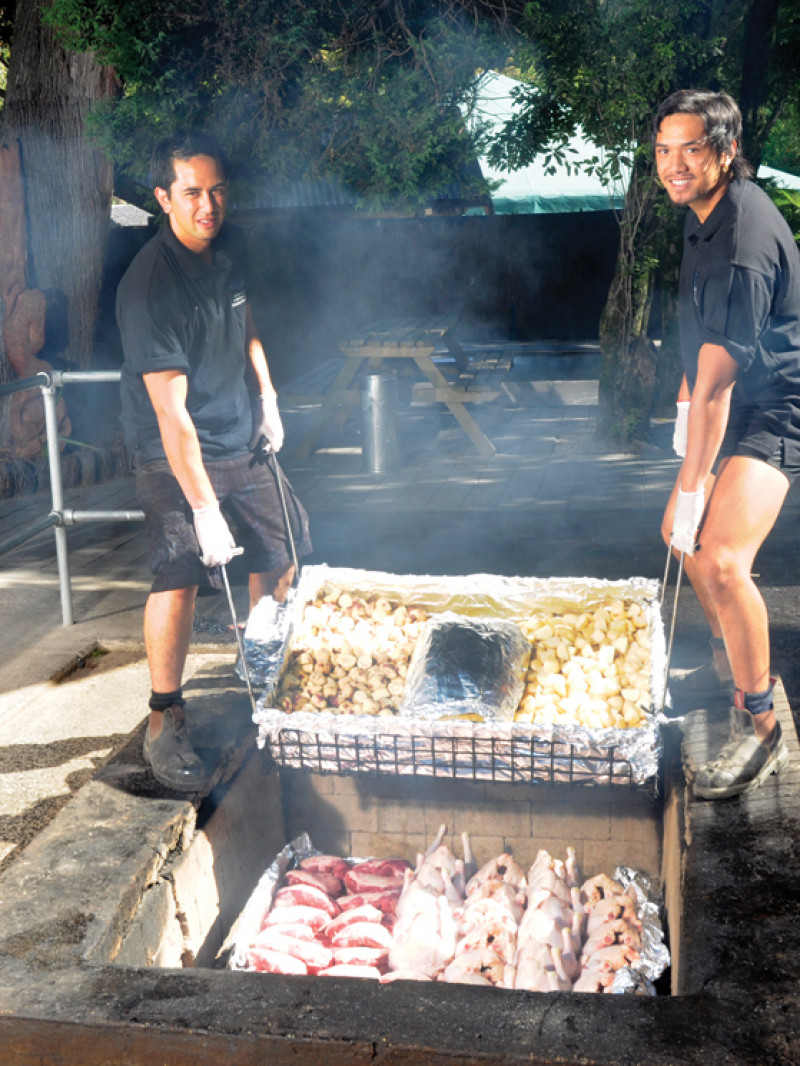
(129, 215)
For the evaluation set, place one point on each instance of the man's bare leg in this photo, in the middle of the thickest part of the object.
(743, 508)
(275, 583)
(168, 618)
(719, 653)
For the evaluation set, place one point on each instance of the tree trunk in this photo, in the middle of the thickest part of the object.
(628, 357)
(68, 183)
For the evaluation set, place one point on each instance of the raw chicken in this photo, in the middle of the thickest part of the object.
(424, 938)
(502, 869)
(482, 962)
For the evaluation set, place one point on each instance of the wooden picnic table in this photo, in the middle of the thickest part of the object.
(413, 338)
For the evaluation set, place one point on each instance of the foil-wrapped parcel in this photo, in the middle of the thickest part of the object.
(478, 676)
(466, 666)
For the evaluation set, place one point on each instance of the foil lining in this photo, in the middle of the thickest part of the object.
(437, 744)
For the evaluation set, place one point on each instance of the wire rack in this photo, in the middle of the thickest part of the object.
(515, 760)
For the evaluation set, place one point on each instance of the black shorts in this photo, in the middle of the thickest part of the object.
(250, 501)
(769, 435)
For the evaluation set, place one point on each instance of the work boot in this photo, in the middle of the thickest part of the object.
(744, 763)
(171, 757)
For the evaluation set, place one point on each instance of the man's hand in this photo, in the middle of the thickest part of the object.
(686, 521)
(267, 422)
(217, 546)
(680, 436)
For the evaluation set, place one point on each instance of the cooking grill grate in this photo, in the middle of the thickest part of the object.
(510, 760)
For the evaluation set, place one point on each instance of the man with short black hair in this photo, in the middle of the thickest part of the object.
(738, 425)
(196, 398)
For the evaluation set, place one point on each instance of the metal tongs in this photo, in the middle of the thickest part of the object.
(262, 452)
(224, 571)
(671, 636)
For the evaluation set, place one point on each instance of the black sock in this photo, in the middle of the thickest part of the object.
(160, 701)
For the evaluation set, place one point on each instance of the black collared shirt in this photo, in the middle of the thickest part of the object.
(176, 312)
(740, 288)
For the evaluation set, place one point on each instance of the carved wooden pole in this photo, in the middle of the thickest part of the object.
(24, 314)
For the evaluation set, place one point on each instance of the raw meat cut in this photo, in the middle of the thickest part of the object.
(340, 970)
(305, 896)
(267, 961)
(362, 934)
(314, 917)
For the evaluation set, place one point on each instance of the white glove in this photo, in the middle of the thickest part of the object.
(681, 434)
(217, 546)
(267, 422)
(688, 512)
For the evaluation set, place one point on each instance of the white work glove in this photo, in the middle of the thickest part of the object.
(267, 422)
(217, 546)
(681, 433)
(685, 523)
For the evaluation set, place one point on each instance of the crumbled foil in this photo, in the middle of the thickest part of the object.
(451, 747)
(266, 636)
(654, 958)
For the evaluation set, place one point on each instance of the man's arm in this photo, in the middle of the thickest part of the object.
(708, 414)
(167, 390)
(266, 416)
(257, 357)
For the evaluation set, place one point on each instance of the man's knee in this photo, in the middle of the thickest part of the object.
(718, 569)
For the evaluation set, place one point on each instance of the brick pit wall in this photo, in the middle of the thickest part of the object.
(188, 912)
(399, 817)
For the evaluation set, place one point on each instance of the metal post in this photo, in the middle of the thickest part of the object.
(379, 416)
(57, 491)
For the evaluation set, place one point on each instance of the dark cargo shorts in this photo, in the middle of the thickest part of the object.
(250, 501)
(771, 435)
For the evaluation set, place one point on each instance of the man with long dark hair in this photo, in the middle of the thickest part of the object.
(738, 425)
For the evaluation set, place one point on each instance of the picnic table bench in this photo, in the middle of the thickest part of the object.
(414, 339)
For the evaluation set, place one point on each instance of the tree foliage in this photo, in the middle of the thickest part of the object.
(605, 65)
(365, 92)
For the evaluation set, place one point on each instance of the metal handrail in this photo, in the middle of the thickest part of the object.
(60, 517)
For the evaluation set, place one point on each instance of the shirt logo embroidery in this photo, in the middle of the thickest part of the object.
(238, 298)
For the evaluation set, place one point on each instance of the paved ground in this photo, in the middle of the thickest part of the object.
(552, 502)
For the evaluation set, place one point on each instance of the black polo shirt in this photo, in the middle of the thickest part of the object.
(740, 288)
(176, 312)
